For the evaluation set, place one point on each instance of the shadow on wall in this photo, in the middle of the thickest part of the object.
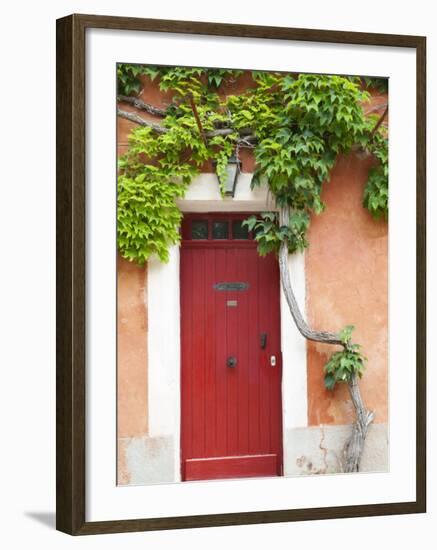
(45, 518)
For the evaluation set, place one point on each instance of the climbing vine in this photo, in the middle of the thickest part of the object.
(296, 125)
(162, 160)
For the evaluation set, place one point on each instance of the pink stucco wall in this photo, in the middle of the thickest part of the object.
(347, 284)
(131, 349)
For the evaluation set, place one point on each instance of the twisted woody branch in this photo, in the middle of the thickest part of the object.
(246, 135)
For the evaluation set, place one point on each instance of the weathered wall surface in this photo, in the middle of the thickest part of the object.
(347, 284)
(132, 410)
(319, 449)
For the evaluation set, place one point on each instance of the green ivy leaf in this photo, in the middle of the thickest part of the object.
(330, 381)
(346, 333)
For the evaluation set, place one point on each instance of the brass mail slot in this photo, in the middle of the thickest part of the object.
(231, 286)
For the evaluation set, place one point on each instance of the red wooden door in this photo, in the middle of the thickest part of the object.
(231, 411)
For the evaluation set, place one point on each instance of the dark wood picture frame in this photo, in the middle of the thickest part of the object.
(71, 246)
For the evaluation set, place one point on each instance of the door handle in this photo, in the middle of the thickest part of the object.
(231, 362)
(263, 340)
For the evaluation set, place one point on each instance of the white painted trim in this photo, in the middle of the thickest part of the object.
(294, 356)
(164, 322)
(203, 195)
(164, 351)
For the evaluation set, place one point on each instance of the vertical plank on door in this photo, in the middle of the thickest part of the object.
(198, 357)
(264, 374)
(232, 351)
(254, 359)
(210, 356)
(245, 339)
(186, 345)
(276, 372)
(220, 355)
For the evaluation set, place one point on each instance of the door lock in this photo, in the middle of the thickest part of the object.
(231, 362)
(273, 360)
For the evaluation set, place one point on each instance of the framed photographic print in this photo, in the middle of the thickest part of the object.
(240, 274)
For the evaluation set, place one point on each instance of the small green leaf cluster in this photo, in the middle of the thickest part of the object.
(180, 80)
(342, 365)
(147, 218)
(270, 235)
(128, 81)
(377, 83)
(375, 197)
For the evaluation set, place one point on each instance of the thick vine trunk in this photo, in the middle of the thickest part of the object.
(304, 329)
(355, 445)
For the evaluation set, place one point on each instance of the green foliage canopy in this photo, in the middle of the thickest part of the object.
(299, 122)
(158, 167)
